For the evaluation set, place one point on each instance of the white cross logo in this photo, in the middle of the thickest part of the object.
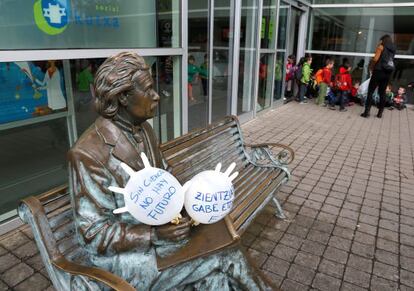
(54, 13)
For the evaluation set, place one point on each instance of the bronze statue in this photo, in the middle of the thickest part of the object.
(125, 99)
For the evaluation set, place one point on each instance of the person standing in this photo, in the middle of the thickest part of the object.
(382, 66)
(325, 81)
(306, 76)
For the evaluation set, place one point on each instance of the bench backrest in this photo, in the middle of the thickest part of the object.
(202, 149)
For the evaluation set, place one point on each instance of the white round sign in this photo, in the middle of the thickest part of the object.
(209, 197)
(152, 195)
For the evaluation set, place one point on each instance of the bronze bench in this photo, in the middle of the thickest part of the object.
(261, 172)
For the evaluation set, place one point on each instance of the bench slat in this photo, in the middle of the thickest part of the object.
(200, 154)
(244, 199)
(226, 122)
(255, 206)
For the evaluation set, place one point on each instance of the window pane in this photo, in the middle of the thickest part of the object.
(35, 156)
(279, 73)
(359, 29)
(222, 56)
(247, 64)
(48, 24)
(267, 34)
(166, 75)
(265, 79)
(358, 1)
(198, 24)
(31, 89)
(283, 18)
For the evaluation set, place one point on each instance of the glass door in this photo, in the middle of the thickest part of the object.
(210, 54)
(198, 63)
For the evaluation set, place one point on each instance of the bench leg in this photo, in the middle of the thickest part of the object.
(279, 211)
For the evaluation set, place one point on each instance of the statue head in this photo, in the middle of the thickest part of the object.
(123, 86)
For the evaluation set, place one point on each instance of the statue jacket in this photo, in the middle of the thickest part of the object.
(94, 165)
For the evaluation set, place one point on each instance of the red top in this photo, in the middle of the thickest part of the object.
(346, 77)
(327, 75)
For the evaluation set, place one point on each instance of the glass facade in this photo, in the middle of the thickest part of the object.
(359, 29)
(233, 62)
(89, 24)
(352, 34)
(247, 56)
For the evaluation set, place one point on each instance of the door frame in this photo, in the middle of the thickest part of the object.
(302, 38)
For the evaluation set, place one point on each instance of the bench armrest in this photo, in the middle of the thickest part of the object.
(273, 153)
(96, 274)
(32, 212)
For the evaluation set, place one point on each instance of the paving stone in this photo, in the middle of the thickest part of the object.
(284, 252)
(407, 251)
(13, 241)
(363, 249)
(26, 251)
(298, 230)
(292, 285)
(386, 257)
(313, 247)
(337, 255)
(360, 263)
(351, 287)
(407, 263)
(8, 261)
(276, 265)
(3, 286)
(257, 257)
(407, 278)
(323, 226)
(301, 274)
(331, 268)
(387, 245)
(326, 283)
(318, 236)
(274, 279)
(386, 271)
(343, 232)
(34, 283)
(291, 241)
(364, 238)
(340, 243)
(17, 274)
(263, 245)
(2, 251)
(271, 234)
(307, 260)
(357, 277)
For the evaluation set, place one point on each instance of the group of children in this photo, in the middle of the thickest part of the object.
(330, 89)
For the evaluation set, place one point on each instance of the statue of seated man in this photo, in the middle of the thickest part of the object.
(125, 99)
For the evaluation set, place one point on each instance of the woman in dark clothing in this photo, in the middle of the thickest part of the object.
(382, 66)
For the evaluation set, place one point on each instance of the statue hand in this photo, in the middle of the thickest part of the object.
(173, 232)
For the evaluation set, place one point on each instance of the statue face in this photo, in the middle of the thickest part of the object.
(143, 100)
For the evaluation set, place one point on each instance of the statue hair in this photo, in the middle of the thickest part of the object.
(116, 76)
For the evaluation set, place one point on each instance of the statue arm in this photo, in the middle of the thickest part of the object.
(102, 231)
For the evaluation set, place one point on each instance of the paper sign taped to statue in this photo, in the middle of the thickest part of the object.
(152, 195)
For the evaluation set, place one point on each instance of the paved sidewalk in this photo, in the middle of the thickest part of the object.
(350, 205)
(350, 201)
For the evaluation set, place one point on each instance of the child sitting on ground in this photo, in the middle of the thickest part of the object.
(389, 96)
(399, 100)
(343, 82)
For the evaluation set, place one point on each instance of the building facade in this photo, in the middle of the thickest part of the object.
(208, 59)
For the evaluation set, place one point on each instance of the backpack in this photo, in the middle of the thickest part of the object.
(319, 76)
(298, 73)
(340, 82)
(387, 60)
